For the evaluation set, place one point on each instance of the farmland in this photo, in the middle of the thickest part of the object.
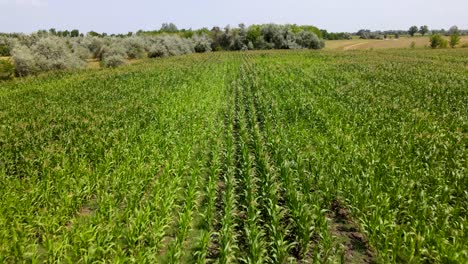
(392, 43)
(265, 156)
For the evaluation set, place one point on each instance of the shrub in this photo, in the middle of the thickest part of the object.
(4, 50)
(7, 70)
(435, 40)
(176, 45)
(24, 61)
(454, 40)
(202, 43)
(309, 40)
(134, 47)
(157, 50)
(111, 49)
(52, 53)
(413, 45)
(81, 51)
(94, 44)
(6, 46)
(113, 61)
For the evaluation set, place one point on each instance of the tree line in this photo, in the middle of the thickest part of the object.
(412, 31)
(52, 49)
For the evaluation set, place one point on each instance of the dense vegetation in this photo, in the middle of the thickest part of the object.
(58, 50)
(260, 156)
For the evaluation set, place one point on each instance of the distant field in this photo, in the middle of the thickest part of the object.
(365, 44)
(266, 156)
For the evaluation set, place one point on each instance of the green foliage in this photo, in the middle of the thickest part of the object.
(423, 30)
(254, 33)
(4, 50)
(437, 41)
(443, 43)
(412, 30)
(75, 33)
(454, 40)
(7, 69)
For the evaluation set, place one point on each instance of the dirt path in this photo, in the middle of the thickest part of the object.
(354, 45)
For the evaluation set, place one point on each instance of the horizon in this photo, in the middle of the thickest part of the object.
(120, 17)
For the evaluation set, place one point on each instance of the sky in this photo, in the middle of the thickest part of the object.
(119, 16)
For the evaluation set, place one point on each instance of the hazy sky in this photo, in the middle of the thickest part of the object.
(119, 16)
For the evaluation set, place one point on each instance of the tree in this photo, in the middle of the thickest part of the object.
(412, 30)
(453, 30)
(169, 28)
(424, 30)
(216, 34)
(254, 33)
(74, 33)
(454, 40)
(93, 34)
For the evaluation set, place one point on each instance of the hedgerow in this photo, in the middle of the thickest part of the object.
(48, 50)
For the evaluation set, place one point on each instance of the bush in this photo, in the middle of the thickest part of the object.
(202, 43)
(134, 47)
(113, 61)
(6, 46)
(157, 50)
(81, 51)
(52, 53)
(24, 61)
(436, 41)
(454, 40)
(179, 46)
(7, 70)
(94, 44)
(413, 45)
(4, 50)
(111, 49)
(309, 40)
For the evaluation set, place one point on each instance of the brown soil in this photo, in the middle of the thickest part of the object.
(355, 244)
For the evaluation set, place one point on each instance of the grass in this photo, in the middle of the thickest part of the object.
(267, 156)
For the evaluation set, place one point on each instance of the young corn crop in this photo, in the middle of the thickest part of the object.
(254, 157)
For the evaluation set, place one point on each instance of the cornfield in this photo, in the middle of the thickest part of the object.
(255, 157)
